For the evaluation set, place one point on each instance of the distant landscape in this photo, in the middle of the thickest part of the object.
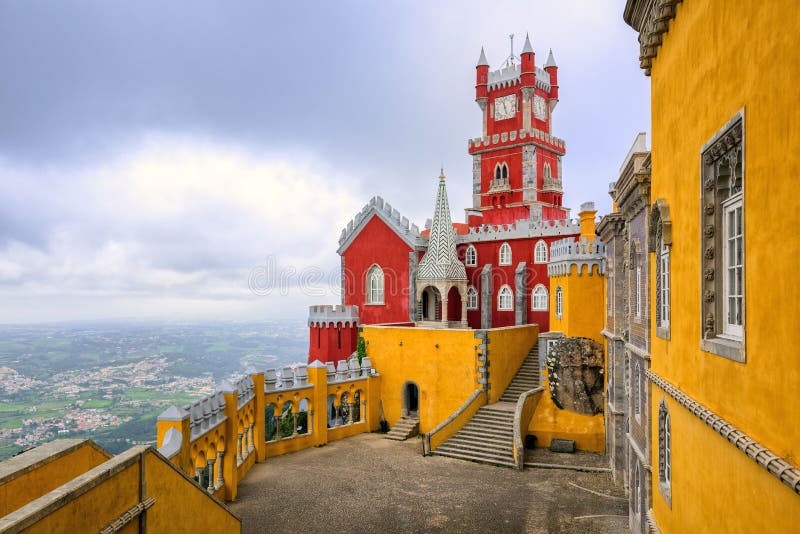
(109, 382)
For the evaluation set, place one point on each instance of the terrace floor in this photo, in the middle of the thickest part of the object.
(369, 484)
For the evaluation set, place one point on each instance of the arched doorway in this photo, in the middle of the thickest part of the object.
(454, 305)
(431, 304)
(410, 400)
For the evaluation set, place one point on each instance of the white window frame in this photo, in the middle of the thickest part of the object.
(547, 172)
(541, 292)
(730, 244)
(665, 452)
(471, 256)
(559, 297)
(505, 299)
(540, 252)
(472, 298)
(504, 255)
(663, 259)
(375, 286)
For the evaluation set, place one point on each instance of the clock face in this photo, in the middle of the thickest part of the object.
(540, 108)
(505, 107)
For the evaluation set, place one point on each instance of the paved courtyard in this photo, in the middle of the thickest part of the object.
(370, 484)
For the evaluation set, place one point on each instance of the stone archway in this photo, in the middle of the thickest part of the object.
(431, 304)
(454, 305)
(410, 400)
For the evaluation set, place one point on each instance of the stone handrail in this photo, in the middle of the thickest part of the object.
(526, 405)
(444, 430)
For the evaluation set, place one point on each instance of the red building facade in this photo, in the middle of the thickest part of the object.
(515, 215)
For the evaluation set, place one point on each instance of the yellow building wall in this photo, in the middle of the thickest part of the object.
(549, 422)
(31, 485)
(718, 57)
(715, 487)
(179, 506)
(443, 364)
(583, 301)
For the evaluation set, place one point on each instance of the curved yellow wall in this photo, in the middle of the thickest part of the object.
(551, 422)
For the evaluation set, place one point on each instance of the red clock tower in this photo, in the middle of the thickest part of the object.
(517, 161)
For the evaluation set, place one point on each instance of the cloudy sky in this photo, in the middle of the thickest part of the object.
(158, 157)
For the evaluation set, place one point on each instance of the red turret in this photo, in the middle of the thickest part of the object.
(552, 69)
(333, 332)
(528, 75)
(481, 78)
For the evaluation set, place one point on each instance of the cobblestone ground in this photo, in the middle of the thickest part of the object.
(370, 484)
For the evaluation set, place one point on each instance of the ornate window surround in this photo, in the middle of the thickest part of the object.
(559, 297)
(665, 452)
(726, 147)
(659, 242)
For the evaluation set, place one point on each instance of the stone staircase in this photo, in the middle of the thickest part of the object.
(405, 428)
(526, 378)
(489, 436)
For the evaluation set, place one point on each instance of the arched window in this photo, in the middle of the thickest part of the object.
(539, 298)
(505, 254)
(540, 252)
(505, 299)
(637, 391)
(664, 450)
(505, 171)
(472, 298)
(497, 173)
(548, 174)
(559, 302)
(471, 256)
(375, 285)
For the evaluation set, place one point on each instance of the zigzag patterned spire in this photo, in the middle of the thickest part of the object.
(440, 261)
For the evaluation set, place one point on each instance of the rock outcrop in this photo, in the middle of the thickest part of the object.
(575, 372)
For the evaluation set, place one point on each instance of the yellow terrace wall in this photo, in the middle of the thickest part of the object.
(229, 426)
(549, 422)
(110, 493)
(33, 473)
(445, 364)
(717, 58)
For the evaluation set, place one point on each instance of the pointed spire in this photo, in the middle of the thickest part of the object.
(551, 62)
(482, 60)
(527, 49)
(441, 261)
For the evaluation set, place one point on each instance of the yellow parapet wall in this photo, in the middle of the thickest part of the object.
(136, 491)
(30, 475)
(551, 422)
(507, 348)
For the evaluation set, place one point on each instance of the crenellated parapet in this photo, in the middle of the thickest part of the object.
(218, 438)
(510, 75)
(332, 315)
(515, 137)
(520, 230)
(566, 253)
(400, 224)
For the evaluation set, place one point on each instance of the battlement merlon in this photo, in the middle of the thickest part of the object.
(520, 230)
(407, 231)
(330, 314)
(517, 137)
(565, 253)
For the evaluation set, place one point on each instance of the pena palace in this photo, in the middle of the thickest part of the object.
(492, 270)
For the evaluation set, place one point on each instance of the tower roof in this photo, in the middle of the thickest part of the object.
(441, 261)
(482, 60)
(527, 49)
(551, 62)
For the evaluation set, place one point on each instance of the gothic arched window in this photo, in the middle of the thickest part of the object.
(505, 254)
(471, 256)
(539, 298)
(472, 298)
(505, 299)
(559, 302)
(540, 252)
(375, 283)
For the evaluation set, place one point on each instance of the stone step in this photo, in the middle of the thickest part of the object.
(467, 448)
(482, 433)
(507, 462)
(491, 423)
(481, 444)
(494, 418)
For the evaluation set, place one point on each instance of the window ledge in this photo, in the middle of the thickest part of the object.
(662, 332)
(374, 304)
(727, 348)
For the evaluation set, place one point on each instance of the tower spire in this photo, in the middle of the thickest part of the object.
(482, 60)
(527, 49)
(441, 261)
